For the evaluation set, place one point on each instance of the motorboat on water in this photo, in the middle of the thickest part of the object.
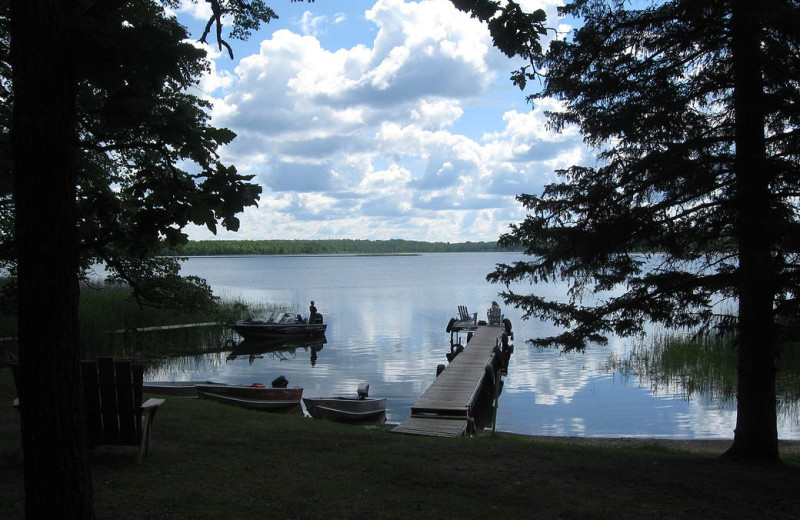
(279, 324)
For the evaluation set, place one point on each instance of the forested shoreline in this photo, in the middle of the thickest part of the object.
(329, 247)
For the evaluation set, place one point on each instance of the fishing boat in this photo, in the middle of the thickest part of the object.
(255, 396)
(279, 324)
(347, 409)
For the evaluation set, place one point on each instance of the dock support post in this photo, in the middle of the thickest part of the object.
(496, 399)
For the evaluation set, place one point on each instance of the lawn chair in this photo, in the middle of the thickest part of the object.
(494, 316)
(464, 315)
(115, 413)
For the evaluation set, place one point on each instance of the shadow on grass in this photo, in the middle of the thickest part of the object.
(209, 460)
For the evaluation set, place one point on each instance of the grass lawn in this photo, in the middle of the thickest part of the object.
(212, 461)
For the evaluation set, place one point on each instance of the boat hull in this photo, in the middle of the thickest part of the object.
(173, 388)
(345, 409)
(253, 397)
(256, 330)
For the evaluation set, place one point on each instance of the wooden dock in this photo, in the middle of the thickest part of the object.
(445, 408)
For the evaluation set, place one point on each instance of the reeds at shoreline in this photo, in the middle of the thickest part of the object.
(703, 366)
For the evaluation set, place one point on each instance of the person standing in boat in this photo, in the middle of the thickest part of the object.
(312, 313)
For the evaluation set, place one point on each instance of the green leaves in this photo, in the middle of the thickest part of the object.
(514, 32)
(156, 282)
(142, 130)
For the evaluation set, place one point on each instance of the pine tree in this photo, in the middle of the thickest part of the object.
(693, 106)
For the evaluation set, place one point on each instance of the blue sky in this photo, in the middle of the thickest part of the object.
(379, 119)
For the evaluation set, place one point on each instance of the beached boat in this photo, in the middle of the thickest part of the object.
(347, 409)
(279, 324)
(173, 388)
(255, 396)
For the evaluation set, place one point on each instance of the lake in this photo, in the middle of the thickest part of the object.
(386, 320)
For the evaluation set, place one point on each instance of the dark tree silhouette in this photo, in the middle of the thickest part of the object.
(694, 108)
(97, 99)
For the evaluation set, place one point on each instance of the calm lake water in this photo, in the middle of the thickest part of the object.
(386, 320)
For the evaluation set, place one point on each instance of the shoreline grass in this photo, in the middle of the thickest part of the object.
(210, 461)
(112, 323)
(703, 366)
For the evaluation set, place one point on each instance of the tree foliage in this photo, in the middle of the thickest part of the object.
(147, 155)
(514, 31)
(247, 16)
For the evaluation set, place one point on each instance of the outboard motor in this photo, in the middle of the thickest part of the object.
(363, 391)
(280, 382)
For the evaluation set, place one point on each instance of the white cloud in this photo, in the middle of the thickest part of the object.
(311, 24)
(436, 114)
(361, 141)
(195, 10)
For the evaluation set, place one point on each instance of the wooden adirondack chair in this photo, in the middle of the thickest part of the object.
(464, 315)
(115, 413)
(494, 316)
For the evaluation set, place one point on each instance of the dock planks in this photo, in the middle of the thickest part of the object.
(433, 427)
(444, 409)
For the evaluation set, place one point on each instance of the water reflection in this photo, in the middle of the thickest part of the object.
(279, 348)
(185, 368)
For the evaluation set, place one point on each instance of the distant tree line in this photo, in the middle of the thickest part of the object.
(329, 247)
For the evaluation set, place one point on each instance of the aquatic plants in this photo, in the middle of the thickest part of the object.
(702, 366)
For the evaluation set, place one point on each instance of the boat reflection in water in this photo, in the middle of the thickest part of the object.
(277, 347)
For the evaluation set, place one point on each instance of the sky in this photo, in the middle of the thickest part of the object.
(379, 119)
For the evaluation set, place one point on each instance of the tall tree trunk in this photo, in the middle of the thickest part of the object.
(756, 435)
(57, 475)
